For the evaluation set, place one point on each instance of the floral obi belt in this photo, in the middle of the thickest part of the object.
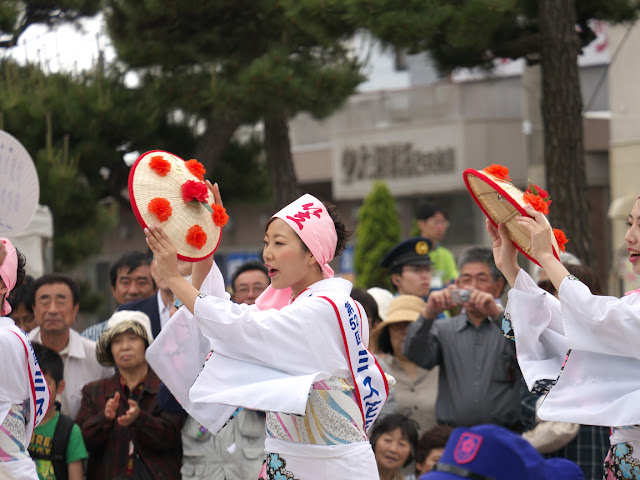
(332, 417)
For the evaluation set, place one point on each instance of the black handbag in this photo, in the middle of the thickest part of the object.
(140, 469)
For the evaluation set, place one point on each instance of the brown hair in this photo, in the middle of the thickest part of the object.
(435, 437)
(341, 229)
(389, 423)
(22, 261)
(587, 276)
(583, 273)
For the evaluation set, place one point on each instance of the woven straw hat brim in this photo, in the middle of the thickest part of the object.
(402, 315)
(146, 184)
(403, 308)
(103, 345)
(502, 202)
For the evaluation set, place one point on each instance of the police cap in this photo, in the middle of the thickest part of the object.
(413, 251)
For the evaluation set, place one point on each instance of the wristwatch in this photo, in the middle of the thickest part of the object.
(178, 303)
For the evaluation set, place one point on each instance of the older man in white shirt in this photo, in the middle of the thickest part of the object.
(56, 304)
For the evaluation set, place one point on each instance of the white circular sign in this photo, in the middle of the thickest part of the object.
(19, 186)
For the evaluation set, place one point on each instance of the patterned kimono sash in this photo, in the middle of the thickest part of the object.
(371, 384)
(38, 390)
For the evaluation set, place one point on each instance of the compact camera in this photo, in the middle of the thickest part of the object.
(459, 296)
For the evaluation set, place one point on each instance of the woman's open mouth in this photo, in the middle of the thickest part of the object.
(271, 271)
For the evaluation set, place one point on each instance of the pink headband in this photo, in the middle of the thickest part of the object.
(311, 221)
(9, 272)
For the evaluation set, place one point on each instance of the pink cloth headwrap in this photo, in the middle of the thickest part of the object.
(9, 272)
(310, 220)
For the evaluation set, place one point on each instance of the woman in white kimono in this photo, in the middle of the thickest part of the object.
(580, 348)
(24, 397)
(300, 353)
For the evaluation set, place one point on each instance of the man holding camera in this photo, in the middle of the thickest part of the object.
(479, 380)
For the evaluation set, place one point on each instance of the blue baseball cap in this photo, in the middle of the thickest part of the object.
(563, 469)
(491, 452)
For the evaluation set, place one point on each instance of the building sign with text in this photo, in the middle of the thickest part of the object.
(394, 160)
(415, 164)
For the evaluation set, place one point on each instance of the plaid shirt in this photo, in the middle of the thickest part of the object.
(588, 450)
(94, 331)
(155, 433)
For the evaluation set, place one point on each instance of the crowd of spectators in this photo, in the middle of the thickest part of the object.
(439, 334)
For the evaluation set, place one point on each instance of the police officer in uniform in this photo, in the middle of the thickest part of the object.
(410, 266)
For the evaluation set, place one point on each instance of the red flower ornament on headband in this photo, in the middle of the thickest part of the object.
(160, 165)
(196, 168)
(498, 171)
(219, 215)
(561, 238)
(196, 237)
(192, 190)
(161, 208)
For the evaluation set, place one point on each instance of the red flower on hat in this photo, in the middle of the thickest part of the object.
(161, 208)
(160, 165)
(498, 171)
(196, 237)
(192, 190)
(220, 217)
(561, 238)
(537, 202)
(196, 168)
(536, 190)
(539, 192)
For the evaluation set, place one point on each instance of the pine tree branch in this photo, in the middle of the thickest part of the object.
(525, 46)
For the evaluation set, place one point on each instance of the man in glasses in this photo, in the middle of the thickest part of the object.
(433, 223)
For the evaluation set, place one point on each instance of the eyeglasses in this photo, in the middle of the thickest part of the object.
(436, 222)
(418, 268)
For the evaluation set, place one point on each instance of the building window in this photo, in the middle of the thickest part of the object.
(400, 63)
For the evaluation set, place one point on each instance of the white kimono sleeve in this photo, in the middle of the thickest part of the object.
(178, 353)
(536, 318)
(299, 339)
(13, 372)
(599, 384)
(600, 324)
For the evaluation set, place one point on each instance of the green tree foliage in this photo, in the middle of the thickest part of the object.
(377, 232)
(470, 33)
(76, 129)
(228, 62)
(242, 169)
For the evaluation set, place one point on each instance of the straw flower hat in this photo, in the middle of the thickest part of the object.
(165, 190)
(502, 202)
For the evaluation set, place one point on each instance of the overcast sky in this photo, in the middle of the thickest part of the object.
(65, 48)
(70, 49)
